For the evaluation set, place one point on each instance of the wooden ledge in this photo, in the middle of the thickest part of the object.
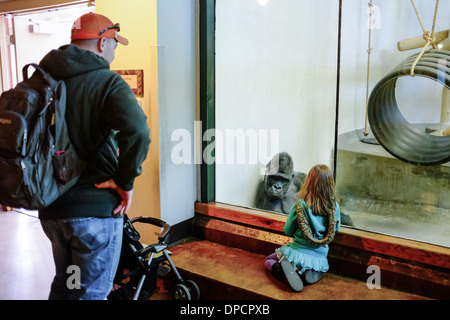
(251, 217)
(424, 253)
(224, 272)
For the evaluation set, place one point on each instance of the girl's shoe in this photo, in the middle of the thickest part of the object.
(312, 276)
(277, 272)
(291, 275)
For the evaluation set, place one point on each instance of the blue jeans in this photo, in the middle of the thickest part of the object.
(86, 252)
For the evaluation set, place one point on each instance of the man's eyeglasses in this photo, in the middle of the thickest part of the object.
(115, 26)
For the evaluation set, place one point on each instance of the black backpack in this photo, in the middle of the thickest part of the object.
(38, 163)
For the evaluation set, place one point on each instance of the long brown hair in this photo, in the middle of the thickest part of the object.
(318, 192)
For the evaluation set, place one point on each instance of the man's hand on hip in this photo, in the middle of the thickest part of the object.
(126, 196)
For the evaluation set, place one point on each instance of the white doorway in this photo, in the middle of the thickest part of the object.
(27, 36)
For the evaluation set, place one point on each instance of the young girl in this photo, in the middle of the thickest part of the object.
(312, 223)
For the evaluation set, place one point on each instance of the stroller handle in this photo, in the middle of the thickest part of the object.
(155, 222)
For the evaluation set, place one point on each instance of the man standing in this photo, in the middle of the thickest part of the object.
(85, 224)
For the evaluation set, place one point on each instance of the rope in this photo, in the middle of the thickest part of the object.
(369, 52)
(427, 36)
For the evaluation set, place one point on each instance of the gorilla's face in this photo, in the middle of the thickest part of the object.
(276, 186)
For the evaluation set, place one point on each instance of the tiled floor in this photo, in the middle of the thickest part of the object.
(26, 262)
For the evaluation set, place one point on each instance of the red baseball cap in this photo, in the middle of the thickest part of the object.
(96, 26)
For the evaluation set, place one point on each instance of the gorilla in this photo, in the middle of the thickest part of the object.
(278, 190)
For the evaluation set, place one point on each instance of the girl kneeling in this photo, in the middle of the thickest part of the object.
(312, 223)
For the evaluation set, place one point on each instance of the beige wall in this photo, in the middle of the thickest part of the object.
(137, 20)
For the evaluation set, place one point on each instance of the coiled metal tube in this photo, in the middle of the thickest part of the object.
(405, 141)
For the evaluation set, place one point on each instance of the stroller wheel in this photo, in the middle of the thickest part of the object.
(194, 290)
(181, 292)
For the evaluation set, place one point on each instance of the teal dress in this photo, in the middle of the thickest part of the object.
(300, 252)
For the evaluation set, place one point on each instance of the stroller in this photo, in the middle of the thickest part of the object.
(139, 265)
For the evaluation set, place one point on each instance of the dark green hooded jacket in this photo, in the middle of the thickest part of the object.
(99, 104)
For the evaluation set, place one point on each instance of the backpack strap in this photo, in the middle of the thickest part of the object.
(59, 105)
(44, 73)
